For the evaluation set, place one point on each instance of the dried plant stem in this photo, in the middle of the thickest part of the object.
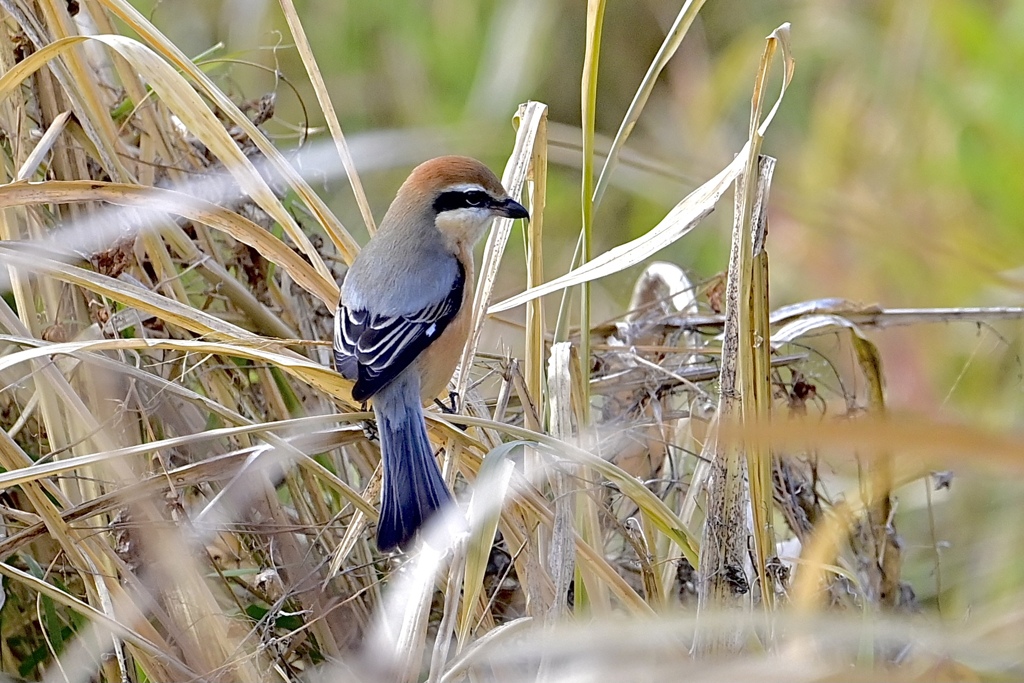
(733, 509)
(324, 99)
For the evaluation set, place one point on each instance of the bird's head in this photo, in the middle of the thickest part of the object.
(460, 194)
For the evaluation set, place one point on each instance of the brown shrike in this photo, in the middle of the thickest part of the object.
(403, 320)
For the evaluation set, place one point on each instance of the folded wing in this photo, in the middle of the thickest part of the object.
(373, 349)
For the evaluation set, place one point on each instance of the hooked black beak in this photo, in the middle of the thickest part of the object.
(510, 208)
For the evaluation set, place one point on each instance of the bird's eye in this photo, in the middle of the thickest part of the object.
(457, 199)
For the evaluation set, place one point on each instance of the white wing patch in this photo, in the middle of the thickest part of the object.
(373, 349)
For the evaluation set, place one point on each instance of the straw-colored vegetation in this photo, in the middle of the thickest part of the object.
(706, 487)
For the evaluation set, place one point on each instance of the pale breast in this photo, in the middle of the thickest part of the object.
(437, 363)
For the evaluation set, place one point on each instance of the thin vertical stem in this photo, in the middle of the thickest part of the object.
(595, 22)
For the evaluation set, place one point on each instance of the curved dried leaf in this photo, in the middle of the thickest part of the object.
(253, 348)
(197, 117)
(178, 203)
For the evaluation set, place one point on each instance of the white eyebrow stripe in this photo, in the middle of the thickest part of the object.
(467, 187)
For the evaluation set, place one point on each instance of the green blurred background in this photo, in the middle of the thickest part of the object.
(900, 145)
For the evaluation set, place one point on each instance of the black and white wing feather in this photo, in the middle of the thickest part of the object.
(372, 349)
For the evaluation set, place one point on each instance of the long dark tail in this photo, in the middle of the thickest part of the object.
(413, 488)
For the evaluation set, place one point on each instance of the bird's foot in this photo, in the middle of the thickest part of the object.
(452, 406)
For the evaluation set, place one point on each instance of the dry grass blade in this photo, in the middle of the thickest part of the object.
(871, 536)
(874, 538)
(537, 509)
(314, 374)
(129, 294)
(877, 316)
(673, 39)
(683, 218)
(588, 116)
(489, 493)
(186, 103)
(513, 629)
(745, 391)
(53, 131)
(111, 625)
(296, 445)
(531, 116)
(176, 203)
(399, 637)
(324, 98)
(72, 76)
(758, 387)
(652, 506)
(561, 557)
(937, 445)
(689, 212)
(534, 233)
(632, 650)
(346, 245)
